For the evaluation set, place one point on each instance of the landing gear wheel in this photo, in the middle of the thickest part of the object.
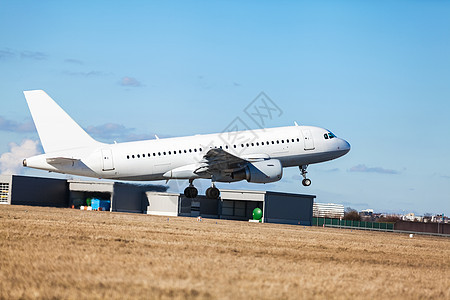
(212, 193)
(306, 182)
(190, 192)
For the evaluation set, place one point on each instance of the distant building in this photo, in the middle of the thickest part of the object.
(366, 212)
(412, 218)
(439, 219)
(328, 210)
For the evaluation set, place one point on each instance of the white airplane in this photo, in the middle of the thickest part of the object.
(254, 155)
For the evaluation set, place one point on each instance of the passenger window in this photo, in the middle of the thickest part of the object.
(132, 156)
(298, 140)
(287, 140)
(170, 153)
(293, 140)
(195, 149)
(185, 151)
(143, 155)
(200, 149)
(234, 146)
(278, 142)
(148, 154)
(273, 142)
(138, 156)
(159, 153)
(253, 144)
(282, 141)
(128, 157)
(226, 146)
(242, 145)
(190, 150)
(257, 144)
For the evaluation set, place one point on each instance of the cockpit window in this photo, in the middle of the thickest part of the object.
(329, 135)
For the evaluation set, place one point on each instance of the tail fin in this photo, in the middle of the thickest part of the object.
(55, 127)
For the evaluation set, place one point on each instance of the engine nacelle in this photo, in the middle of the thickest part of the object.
(264, 171)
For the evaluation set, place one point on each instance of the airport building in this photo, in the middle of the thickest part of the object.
(328, 210)
(26, 190)
(284, 208)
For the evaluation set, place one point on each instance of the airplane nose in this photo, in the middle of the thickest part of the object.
(344, 145)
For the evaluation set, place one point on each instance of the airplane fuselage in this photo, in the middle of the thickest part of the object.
(153, 159)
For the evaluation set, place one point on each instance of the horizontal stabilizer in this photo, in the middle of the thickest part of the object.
(61, 160)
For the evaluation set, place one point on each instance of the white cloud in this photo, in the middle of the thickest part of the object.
(117, 132)
(11, 162)
(130, 81)
(365, 169)
(73, 61)
(14, 126)
(35, 55)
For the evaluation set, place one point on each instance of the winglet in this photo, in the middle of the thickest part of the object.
(295, 123)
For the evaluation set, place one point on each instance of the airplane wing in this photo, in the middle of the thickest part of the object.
(215, 162)
(220, 161)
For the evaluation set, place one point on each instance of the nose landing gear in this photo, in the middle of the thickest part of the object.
(305, 181)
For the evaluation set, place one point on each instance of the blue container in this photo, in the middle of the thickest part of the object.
(103, 204)
(95, 203)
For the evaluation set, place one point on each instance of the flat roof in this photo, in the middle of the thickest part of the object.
(265, 192)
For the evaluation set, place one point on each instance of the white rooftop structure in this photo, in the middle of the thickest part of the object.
(328, 210)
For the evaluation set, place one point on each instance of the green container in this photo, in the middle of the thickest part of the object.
(257, 214)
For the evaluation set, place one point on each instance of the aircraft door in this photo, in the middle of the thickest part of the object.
(107, 159)
(308, 139)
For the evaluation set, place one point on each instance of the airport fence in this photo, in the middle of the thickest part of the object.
(328, 222)
(375, 226)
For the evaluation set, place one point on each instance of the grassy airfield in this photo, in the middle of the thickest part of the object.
(66, 253)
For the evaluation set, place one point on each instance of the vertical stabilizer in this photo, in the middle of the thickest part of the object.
(55, 127)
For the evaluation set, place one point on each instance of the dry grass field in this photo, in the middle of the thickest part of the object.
(65, 253)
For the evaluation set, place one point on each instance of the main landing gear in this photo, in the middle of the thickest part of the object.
(212, 192)
(192, 192)
(305, 181)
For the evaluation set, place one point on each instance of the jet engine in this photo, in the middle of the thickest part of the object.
(264, 171)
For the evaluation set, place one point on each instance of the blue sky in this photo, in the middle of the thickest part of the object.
(375, 73)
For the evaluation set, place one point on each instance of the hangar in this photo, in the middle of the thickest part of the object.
(123, 197)
(39, 191)
(285, 208)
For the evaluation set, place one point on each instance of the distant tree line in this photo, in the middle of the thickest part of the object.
(353, 215)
